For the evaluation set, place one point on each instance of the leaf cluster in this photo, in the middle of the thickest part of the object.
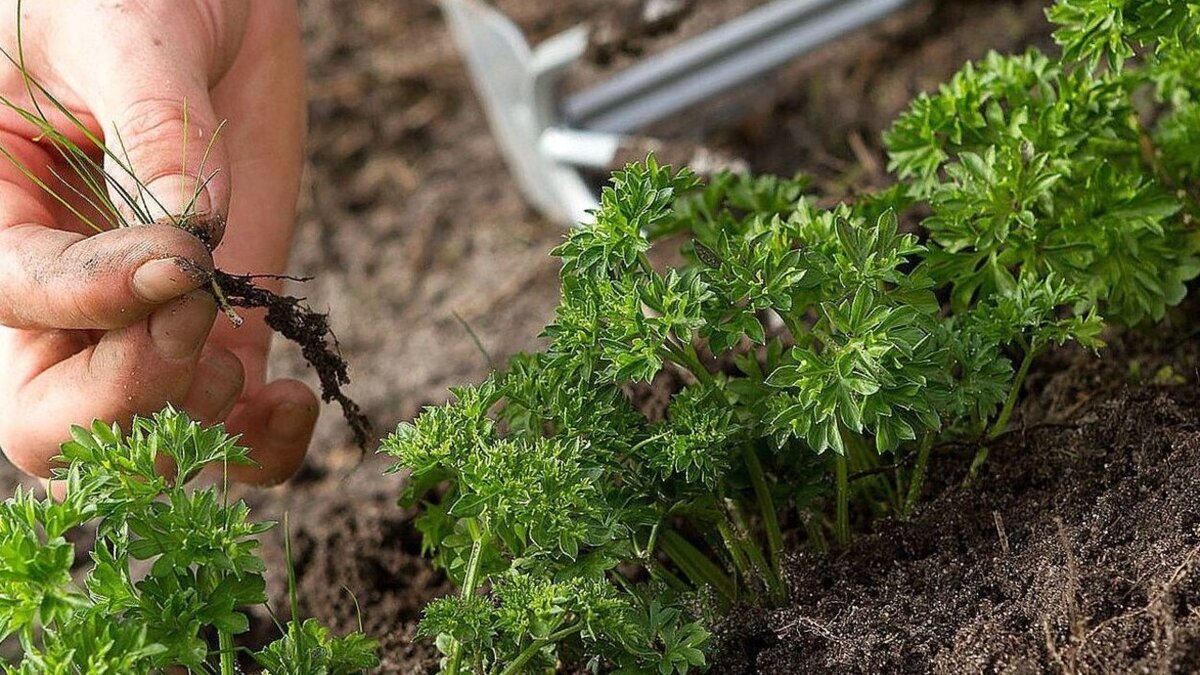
(824, 354)
(198, 553)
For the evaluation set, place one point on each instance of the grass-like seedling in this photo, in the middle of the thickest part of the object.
(829, 355)
(171, 566)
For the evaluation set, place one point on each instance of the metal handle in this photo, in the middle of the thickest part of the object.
(753, 44)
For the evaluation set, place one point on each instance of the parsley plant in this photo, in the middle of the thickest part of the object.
(200, 551)
(826, 353)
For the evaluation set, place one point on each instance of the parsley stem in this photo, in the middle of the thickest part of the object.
(695, 565)
(1002, 421)
(669, 578)
(752, 553)
(816, 534)
(1011, 402)
(225, 645)
(841, 530)
(536, 646)
(468, 588)
(917, 480)
(733, 544)
(689, 358)
(766, 505)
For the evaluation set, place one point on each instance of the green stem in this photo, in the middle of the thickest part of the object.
(225, 644)
(536, 646)
(766, 504)
(741, 564)
(841, 530)
(754, 555)
(742, 544)
(816, 535)
(471, 580)
(1013, 393)
(644, 263)
(918, 475)
(669, 578)
(646, 441)
(1001, 423)
(977, 463)
(690, 359)
(695, 565)
(454, 665)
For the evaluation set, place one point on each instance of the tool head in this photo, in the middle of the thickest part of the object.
(516, 85)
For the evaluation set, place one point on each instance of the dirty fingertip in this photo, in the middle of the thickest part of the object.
(157, 281)
(186, 202)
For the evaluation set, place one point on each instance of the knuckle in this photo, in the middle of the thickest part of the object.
(152, 130)
(152, 119)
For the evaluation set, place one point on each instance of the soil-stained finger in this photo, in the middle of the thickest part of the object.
(133, 371)
(277, 425)
(55, 279)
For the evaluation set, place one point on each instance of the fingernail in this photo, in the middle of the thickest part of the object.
(290, 423)
(179, 329)
(158, 281)
(177, 196)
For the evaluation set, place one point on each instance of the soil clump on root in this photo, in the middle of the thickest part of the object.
(309, 329)
(289, 317)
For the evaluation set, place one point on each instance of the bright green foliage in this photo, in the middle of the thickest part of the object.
(1115, 30)
(535, 514)
(1027, 165)
(308, 649)
(203, 569)
(557, 485)
(823, 357)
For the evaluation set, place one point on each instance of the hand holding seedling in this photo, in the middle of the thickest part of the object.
(107, 323)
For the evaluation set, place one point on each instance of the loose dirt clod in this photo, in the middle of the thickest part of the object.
(294, 320)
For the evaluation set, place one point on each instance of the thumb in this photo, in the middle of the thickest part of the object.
(51, 278)
(171, 161)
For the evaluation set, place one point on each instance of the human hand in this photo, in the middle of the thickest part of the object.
(115, 324)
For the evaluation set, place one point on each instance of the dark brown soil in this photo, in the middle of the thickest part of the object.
(358, 563)
(1077, 551)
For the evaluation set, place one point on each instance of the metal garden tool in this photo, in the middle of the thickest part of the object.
(546, 139)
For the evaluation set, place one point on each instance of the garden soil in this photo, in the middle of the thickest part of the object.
(1075, 551)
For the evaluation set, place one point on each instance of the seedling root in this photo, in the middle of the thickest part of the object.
(295, 321)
